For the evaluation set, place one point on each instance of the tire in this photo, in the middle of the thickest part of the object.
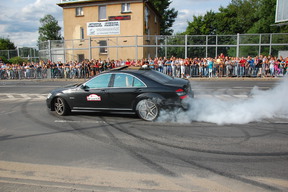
(147, 110)
(61, 107)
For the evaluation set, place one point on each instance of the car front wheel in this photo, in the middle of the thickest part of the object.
(61, 106)
(147, 109)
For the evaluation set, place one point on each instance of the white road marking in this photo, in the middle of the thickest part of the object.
(10, 96)
(71, 121)
(17, 96)
(241, 96)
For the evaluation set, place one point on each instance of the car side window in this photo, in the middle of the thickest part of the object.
(124, 81)
(101, 81)
(138, 83)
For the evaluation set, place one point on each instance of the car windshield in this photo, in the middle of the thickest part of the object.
(157, 76)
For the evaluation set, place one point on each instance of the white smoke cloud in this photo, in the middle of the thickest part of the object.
(261, 105)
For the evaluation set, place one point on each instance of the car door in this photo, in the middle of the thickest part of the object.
(125, 88)
(93, 93)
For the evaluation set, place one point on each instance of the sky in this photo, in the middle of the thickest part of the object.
(19, 19)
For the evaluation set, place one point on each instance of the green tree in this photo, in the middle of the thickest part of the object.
(240, 16)
(234, 18)
(266, 18)
(202, 25)
(49, 30)
(168, 15)
(6, 44)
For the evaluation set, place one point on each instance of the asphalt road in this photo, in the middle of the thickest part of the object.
(40, 151)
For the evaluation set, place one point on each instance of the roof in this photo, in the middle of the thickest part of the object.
(68, 3)
(65, 3)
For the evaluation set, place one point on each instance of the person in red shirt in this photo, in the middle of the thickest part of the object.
(242, 63)
(222, 56)
(128, 62)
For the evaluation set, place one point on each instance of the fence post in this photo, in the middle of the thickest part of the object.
(90, 50)
(270, 46)
(186, 46)
(260, 40)
(216, 52)
(136, 46)
(207, 38)
(117, 51)
(166, 46)
(49, 49)
(238, 45)
(30, 52)
(34, 54)
(156, 43)
(64, 49)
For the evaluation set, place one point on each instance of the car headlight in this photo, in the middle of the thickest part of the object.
(49, 95)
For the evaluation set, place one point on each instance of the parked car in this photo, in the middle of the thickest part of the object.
(142, 91)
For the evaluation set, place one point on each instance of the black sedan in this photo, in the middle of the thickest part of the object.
(143, 91)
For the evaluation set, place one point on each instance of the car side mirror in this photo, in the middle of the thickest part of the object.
(85, 87)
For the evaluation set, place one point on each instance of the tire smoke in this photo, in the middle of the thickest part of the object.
(261, 105)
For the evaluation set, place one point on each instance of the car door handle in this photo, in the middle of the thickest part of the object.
(138, 90)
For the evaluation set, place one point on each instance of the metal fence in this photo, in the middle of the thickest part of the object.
(29, 53)
(182, 46)
(233, 69)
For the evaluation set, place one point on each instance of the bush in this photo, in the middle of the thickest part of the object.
(17, 60)
(3, 59)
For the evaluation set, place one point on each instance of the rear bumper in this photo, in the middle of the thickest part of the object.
(180, 103)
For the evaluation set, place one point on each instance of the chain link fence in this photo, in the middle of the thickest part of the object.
(29, 53)
(49, 61)
(181, 46)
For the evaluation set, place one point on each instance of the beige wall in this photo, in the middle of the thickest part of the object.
(133, 27)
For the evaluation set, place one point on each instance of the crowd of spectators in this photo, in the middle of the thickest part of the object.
(221, 66)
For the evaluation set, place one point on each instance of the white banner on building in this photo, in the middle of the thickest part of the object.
(281, 11)
(103, 28)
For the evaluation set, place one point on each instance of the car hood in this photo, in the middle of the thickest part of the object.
(67, 87)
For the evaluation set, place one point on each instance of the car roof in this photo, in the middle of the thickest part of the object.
(147, 73)
(144, 72)
(129, 69)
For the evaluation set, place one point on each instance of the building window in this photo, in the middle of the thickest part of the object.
(103, 47)
(81, 57)
(147, 14)
(102, 12)
(81, 33)
(125, 8)
(79, 11)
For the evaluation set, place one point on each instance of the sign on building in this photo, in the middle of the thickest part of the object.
(103, 28)
(281, 11)
(117, 18)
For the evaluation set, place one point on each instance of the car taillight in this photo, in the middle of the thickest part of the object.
(181, 93)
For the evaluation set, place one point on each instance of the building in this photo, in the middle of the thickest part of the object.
(114, 29)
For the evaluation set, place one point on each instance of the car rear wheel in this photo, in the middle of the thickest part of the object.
(61, 106)
(147, 109)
